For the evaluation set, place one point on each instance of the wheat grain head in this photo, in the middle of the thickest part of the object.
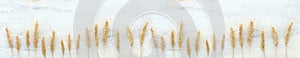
(288, 33)
(275, 36)
(142, 35)
(96, 35)
(250, 34)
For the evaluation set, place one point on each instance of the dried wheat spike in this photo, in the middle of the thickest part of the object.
(52, 43)
(105, 35)
(43, 47)
(250, 34)
(130, 36)
(96, 35)
(188, 48)
(118, 41)
(142, 35)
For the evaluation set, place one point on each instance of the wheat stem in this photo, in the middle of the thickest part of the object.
(44, 47)
(154, 41)
(62, 48)
(180, 36)
(36, 36)
(18, 45)
(188, 48)
(223, 45)
(163, 45)
(250, 34)
(77, 45)
(118, 43)
(28, 42)
(232, 41)
(241, 38)
(287, 37)
(88, 40)
(263, 42)
(207, 48)
(10, 41)
(142, 38)
(172, 43)
(275, 37)
(52, 43)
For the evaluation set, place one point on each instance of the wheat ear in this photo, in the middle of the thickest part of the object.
(96, 39)
(10, 41)
(18, 45)
(131, 41)
(173, 42)
(180, 36)
(188, 48)
(250, 34)
(232, 41)
(275, 37)
(154, 41)
(43, 47)
(105, 36)
(28, 42)
(214, 45)
(263, 42)
(62, 48)
(163, 45)
(69, 45)
(207, 48)
(197, 47)
(241, 38)
(118, 44)
(223, 44)
(77, 45)
(142, 38)
(287, 37)
(52, 43)
(36, 37)
(88, 40)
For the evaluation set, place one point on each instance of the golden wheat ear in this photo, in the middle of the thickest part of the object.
(142, 38)
(180, 36)
(207, 48)
(232, 41)
(10, 41)
(163, 45)
(62, 48)
(263, 42)
(250, 35)
(154, 41)
(88, 40)
(28, 42)
(287, 37)
(77, 45)
(197, 47)
(188, 47)
(130, 39)
(52, 43)
(241, 39)
(43, 47)
(69, 44)
(18, 45)
(173, 43)
(275, 37)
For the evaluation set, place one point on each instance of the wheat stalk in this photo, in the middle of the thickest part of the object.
(28, 42)
(173, 42)
(18, 45)
(188, 48)
(96, 39)
(241, 38)
(52, 43)
(88, 40)
(154, 41)
(163, 45)
(118, 42)
(223, 44)
(232, 41)
(36, 37)
(142, 38)
(180, 36)
(105, 35)
(214, 45)
(207, 48)
(275, 37)
(62, 48)
(43, 47)
(10, 41)
(250, 34)
(69, 45)
(263, 42)
(77, 45)
(287, 37)
(197, 47)
(131, 41)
